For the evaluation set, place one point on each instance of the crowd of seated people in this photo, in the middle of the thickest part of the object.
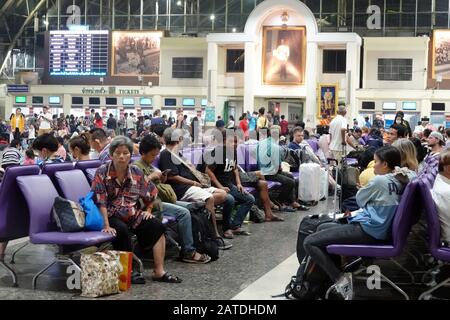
(128, 197)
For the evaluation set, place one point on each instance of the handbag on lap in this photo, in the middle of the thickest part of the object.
(203, 178)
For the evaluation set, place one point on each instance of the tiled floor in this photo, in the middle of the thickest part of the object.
(257, 267)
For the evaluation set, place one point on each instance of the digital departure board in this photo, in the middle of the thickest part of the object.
(78, 53)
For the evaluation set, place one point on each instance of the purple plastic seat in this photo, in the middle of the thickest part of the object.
(251, 158)
(273, 184)
(40, 194)
(14, 215)
(352, 162)
(68, 179)
(314, 144)
(434, 237)
(250, 190)
(90, 174)
(87, 164)
(401, 226)
(362, 141)
(52, 168)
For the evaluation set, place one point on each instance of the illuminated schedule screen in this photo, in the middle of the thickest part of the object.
(78, 53)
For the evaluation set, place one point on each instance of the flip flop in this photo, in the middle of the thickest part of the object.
(203, 259)
(228, 234)
(241, 232)
(168, 278)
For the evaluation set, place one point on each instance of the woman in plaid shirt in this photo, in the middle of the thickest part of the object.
(125, 199)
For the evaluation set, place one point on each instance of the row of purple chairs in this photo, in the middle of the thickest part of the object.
(15, 216)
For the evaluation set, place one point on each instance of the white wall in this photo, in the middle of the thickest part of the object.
(339, 78)
(224, 79)
(182, 47)
(395, 48)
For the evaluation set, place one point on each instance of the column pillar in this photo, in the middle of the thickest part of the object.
(67, 104)
(352, 81)
(213, 56)
(249, 77)
(310, 110)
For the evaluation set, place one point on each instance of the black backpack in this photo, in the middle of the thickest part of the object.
(310, 282)
(203, 231)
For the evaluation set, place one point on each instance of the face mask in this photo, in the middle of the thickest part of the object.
(398, 121)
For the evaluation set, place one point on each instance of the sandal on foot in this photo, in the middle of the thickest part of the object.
(222, 244)
(287, 209)
(241, 232)
(274, 218)
(228, 234)
(204, 258)
(168, 278)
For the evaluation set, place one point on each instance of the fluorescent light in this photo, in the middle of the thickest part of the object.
(179, 3)
(234, 30)
(212, 17)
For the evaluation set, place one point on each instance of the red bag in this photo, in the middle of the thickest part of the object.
(126, 260)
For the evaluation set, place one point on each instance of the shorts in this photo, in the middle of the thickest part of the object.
(197, 194)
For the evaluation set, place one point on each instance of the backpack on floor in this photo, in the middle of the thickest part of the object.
(203, 231)
(310, 282)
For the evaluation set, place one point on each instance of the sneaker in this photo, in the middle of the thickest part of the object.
(344, 286)
(222, 244)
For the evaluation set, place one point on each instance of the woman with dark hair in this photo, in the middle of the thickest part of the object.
(243, 125)
(421, 151)
(47, 146)
(378, 202)
(399, 119)
(98, 121)
(230, 124)
(80, 147)
(125, 199)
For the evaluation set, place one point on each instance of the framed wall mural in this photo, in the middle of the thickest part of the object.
(136, 53)
(284, 55)
(327, 101)
(441, 54)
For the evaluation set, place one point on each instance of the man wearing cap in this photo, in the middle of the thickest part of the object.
(338, 128)
(436, 144)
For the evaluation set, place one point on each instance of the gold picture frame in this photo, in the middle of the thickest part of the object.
(284, 55)
(440, 64)
(136, 53)
(328, 99)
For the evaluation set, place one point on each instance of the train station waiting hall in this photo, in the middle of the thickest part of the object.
(225, 150)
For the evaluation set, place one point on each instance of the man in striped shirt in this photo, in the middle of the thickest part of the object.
(11, 155)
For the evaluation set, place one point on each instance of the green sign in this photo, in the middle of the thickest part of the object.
(210, 114)
(21, 99)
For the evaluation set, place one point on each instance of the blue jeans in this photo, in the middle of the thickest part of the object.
(183, 217)
(245, 201)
